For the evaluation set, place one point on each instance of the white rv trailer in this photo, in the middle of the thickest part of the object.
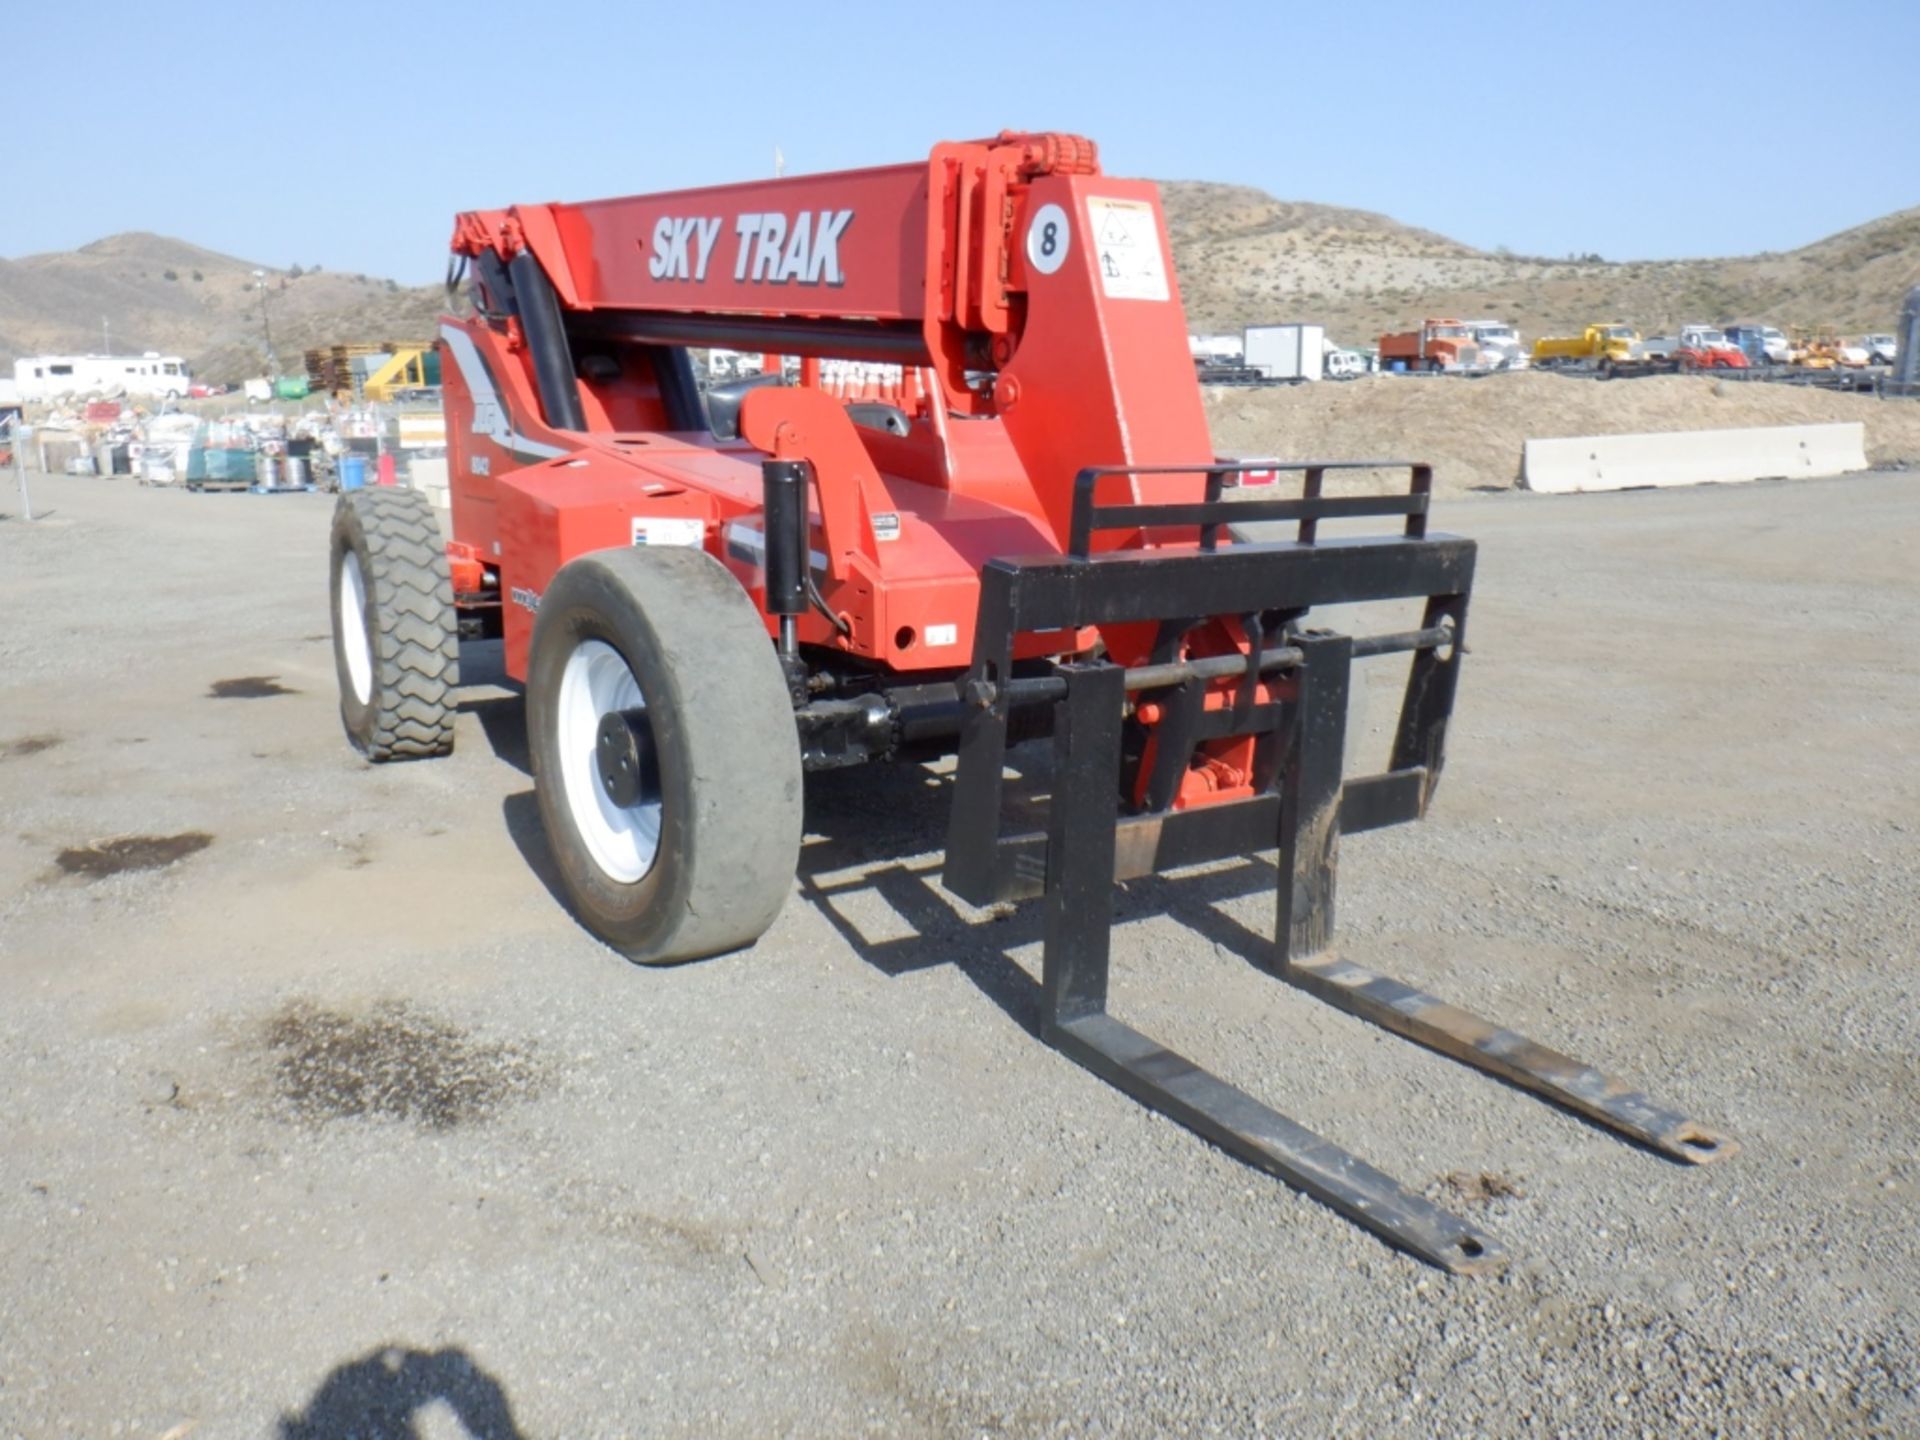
(51, 377)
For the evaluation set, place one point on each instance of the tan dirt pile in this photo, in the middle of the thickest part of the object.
(1472, 430)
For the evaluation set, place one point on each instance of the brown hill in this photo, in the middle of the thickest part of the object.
(1244, 258)
(155, 293)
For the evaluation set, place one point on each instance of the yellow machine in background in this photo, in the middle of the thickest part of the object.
(377, 371)
(1814, 349)
(412, 367)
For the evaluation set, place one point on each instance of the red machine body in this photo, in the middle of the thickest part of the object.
(1027, 300)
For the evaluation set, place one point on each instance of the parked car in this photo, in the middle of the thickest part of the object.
(202, 391)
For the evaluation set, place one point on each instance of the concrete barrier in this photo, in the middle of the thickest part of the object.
(1692, 457)
(430, 477)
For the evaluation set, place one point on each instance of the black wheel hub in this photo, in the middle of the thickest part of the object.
(624, 755)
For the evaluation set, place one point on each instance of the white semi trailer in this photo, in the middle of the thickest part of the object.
(1287, 352)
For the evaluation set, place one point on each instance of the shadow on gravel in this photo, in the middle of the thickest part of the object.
(380, 1395)
(869, 830)
(503, 718)
(522, 815)
(868, 833)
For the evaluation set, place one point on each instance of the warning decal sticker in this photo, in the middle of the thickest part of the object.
(1126, 247)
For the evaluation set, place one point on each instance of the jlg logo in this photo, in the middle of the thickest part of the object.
(770, 249)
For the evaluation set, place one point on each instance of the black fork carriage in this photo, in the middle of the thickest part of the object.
(1302, 805)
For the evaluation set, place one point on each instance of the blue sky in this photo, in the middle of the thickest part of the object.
(1634, 130)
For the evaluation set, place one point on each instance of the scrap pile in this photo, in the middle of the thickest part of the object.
(261, 451)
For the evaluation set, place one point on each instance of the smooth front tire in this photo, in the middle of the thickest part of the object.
(396, 642)
(665, 758)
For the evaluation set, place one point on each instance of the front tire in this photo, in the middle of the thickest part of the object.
(665, 757)
(396, 641)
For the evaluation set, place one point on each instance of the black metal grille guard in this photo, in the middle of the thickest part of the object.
(1301, 810)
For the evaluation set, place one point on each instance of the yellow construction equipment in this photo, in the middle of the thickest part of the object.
(411, 367)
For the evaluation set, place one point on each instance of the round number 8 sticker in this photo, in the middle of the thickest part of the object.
(1047, 239)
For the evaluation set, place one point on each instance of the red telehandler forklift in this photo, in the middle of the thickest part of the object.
(709, 594)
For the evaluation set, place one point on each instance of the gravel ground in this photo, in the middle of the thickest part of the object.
(319, 1112)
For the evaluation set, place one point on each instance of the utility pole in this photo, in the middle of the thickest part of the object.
(266, 327)
(106, 335)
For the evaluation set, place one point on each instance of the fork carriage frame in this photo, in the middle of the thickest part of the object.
(1302, 808)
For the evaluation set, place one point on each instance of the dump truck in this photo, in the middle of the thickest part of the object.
(1499, 342)
(1437, 345)
(1020, 532)
(1604, 350)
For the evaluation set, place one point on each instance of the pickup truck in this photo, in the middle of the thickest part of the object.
(1436, 345)
(1604, 350)
(1698, 347)
(1884, 349)
(1345, 364)
(1761, 343)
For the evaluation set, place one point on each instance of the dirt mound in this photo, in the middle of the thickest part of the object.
(1473, 430)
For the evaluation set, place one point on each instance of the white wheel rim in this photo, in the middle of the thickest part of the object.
(622, 840)
(352, 621)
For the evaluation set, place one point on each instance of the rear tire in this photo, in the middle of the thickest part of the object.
(396, 643)
(696, 858)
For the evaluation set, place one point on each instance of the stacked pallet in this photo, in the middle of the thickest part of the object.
(330, 369)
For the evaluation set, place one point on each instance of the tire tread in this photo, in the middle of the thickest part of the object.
(416, 643)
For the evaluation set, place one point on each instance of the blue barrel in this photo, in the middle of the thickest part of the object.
(353, 471)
